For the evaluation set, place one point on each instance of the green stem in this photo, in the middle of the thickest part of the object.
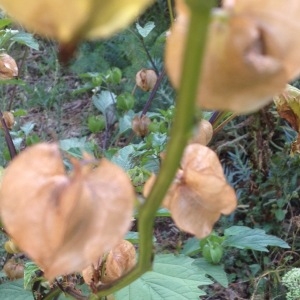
(195, 45)
(170, 8)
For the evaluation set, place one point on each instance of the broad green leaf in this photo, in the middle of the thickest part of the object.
(125, 122)
(163, 212)
(14, 290)
(27, 128)
(144, 31)
(123, 157)
(191, 247)
(76, 146)
(173, 277)
(104, 100)
(243, 237)
(215, 271)
(132, 237)
(26, 39)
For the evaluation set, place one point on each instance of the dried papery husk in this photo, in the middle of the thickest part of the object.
(288, 106)
(250, 55)
(64, 222)
(140, 125)
(74, 20)
(88, 274)
(8, 67)
(199, 193)
(13, 269)
(119, 261)
(146, 79)
(9, 119)
(203, 133)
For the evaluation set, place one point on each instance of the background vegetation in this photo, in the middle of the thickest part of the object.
(70, 104)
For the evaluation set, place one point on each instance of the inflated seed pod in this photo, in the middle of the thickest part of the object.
(146, 79)
(140, 125)
(120, 260)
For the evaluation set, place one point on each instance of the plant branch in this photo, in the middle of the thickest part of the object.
(153, 92)
(183, 121)
(9, 142)
(15, 87)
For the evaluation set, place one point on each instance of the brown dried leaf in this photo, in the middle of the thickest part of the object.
(251, 53)
(64, 222)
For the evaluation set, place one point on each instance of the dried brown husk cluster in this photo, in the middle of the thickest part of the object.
(116, 263)
(199, 193)
(251, 53)
(64, 222)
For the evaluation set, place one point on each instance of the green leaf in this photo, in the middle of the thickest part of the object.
(104, 100)
(125, 122)
(5, 22)
(76, 146)
(144, 31)
(163, 212)
(27, 39)
(243, 237)
(173, 277)
(14, 290)
(132, 237)
(29, 272)
(123, 157)
(191, 247)
(215, 271)
(27, 128)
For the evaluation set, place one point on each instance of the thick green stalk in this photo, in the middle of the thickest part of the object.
(185, 108)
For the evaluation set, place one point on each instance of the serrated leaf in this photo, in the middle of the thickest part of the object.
(173, 277)
(122, 157)
(14, 290)
(104, 100)
(144, 31)
(27, 39)
(215, 271)
(125, 122)
(191, 247)
(72, 143)
(243, 237)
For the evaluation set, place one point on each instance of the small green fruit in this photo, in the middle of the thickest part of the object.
(125, 101)
(96, 123)
(213, 253)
